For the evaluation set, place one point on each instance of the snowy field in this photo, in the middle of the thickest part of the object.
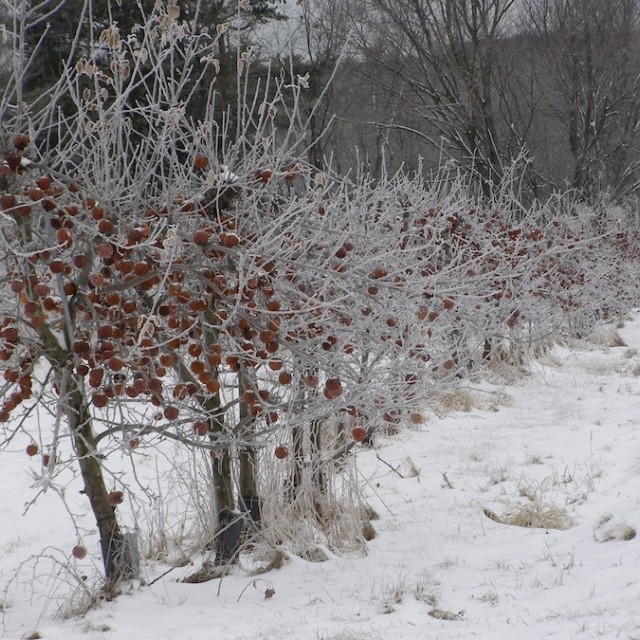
(560, 446)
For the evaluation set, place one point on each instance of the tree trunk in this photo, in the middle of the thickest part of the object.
(317, 471)
(297, 474)
(248, 490)
(79, 418)
(318, 476)
(227, 543)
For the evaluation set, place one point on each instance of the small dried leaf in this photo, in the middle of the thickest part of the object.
(110, 37)
(125, 69)
(142, 55)
(83, 67)
(214, 62)
(269, 593)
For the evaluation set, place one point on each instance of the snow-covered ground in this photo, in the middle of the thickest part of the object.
(562, 442)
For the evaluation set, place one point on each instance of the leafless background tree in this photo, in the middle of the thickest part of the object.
(548, 85)
(587, 61)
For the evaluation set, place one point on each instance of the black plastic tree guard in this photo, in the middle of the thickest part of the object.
(228, 537)
(251, 507)
(121, 557)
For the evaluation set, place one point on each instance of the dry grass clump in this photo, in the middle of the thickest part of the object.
(609, 529)
(549, 359)
(265, 559)
(348, 635)
(607, 337)
(534, 515)
(465, 400)
(538, 515)
(510, 355)
(456, 400)
(325, 514)
(393, 594)
(599, 368)
(441, 614)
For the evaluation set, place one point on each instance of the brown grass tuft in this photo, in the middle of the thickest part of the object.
(608, 337)
(609, 529)
(536, 515)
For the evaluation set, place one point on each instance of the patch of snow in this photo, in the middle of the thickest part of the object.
(439, 567)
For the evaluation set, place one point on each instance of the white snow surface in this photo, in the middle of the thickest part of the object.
(566, 434)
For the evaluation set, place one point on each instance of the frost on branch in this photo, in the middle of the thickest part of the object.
(192, 278)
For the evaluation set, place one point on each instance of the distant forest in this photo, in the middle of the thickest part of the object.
(542, 93)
